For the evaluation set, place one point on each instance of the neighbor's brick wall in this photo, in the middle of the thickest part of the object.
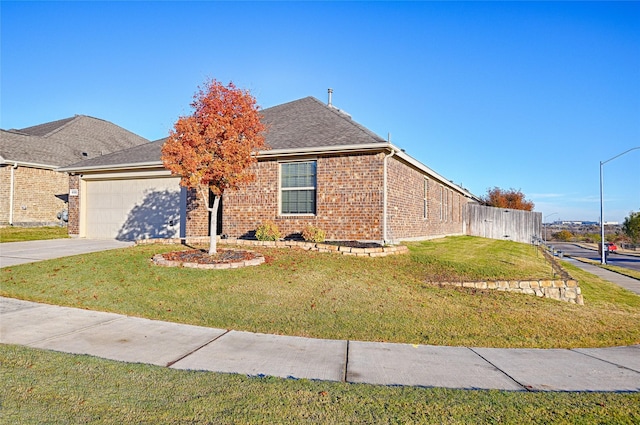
(74, 207)
(34, 201)
(405, 210)
(349, 200)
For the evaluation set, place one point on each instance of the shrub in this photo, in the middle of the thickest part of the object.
(313, 234)
(268, 231)
(563, 235)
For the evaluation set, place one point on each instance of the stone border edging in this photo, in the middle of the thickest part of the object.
(323, 247)
(308, 246)
(564, 289)
(560, 290)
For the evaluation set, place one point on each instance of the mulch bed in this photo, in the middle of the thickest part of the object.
(354, 244)
(202, 257)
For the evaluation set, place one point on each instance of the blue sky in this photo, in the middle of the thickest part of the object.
(521, 95)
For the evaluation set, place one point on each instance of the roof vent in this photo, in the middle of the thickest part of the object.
(330, 94)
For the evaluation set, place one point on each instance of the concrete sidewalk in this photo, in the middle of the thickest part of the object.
(130, 339)
(14, 253)
(626, 282)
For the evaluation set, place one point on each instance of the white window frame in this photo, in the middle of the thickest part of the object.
(282, 189)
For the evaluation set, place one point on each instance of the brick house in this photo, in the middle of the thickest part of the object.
(32, 190)
(323, 169)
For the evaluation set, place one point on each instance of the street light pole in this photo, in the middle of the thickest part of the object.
(603, 257)
(545, 227)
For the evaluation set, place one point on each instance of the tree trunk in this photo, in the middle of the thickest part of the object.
(213, 237)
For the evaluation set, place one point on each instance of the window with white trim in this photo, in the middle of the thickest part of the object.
(298, 187)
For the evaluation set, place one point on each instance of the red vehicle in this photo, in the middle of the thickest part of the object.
(611, 246)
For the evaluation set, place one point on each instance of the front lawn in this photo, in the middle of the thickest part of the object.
(327, 295)
(21, 234)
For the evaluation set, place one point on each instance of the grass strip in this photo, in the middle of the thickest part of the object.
(323, 295)
(622, 270)
(22, 234)
(45, 387)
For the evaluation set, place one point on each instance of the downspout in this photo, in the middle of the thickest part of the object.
(11, 191)
(384, 196)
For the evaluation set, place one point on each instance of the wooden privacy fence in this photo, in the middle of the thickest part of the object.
(503, 223)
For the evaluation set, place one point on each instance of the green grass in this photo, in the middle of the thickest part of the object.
(40, 387)
(469, 258)
(331, 296)
(21, 234)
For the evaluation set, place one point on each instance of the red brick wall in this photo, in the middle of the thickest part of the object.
(349, 200)
(34, 200)
(405, 211)
(197, 215)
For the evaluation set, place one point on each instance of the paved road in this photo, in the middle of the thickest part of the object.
(620, 260)
(14, 253)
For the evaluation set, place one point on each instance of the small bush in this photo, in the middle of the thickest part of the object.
(268, 231)
(563, 235)
(313, 234)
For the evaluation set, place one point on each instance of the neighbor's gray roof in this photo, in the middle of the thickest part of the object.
(64, 142)
(300, 124)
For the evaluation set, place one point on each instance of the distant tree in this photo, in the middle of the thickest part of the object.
(563, 235)
(631, 226)
(213, 148)
(511, 198)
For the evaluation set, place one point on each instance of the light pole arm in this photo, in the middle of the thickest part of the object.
(603, 257)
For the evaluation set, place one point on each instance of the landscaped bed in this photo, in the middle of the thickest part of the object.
(324, 295)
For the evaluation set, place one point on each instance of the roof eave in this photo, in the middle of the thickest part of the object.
(324, 150)
(4, 161)
(401, 154)
(118, 167)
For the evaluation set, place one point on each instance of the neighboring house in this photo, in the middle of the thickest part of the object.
(32, 190)
(323, 169)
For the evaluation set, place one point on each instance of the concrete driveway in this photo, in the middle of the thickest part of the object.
(14, 253)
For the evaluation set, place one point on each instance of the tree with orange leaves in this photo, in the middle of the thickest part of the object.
(214, 147)
(511, 198)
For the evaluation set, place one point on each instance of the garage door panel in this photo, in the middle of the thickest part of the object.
(133, 209)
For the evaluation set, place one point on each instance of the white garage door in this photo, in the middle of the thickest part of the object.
(133, 209)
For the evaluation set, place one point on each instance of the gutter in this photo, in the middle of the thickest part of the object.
(324, 149)
(30, 164)
(11, 192)
(119, 167)
(288, 152)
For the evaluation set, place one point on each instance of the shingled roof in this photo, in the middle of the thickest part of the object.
(309, 123)
(63, 142)
(300, 124)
